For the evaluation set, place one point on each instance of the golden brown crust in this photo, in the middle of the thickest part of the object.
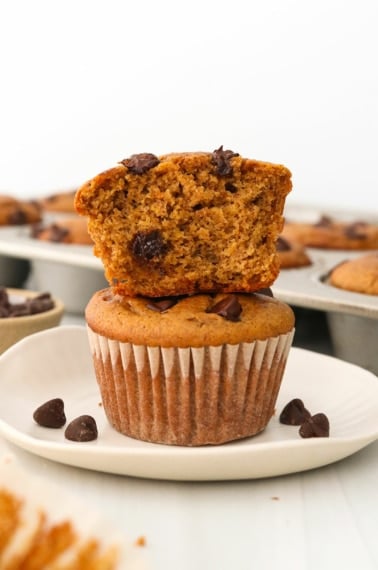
(333, 234)
(181, 227)
(14, 212)
(187, 323)
(359, 275)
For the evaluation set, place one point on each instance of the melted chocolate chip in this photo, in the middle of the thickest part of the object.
(147, 245)
(282, 244)
(83, 428)
(315, 426)
(229, 308)
(294, 413)
(50, 414)
(162, 305)
(357, 230)
(140, 163)
(221, 158)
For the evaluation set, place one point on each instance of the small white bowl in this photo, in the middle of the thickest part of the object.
(13, 329)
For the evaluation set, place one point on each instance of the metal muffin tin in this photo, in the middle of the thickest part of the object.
(352, 317)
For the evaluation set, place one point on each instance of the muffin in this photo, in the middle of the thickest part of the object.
(187, 222)
(328, 233)
(14, 212)
(190, 370)
(60, 202)
(359, 274)
(71, 230)
(292, 254)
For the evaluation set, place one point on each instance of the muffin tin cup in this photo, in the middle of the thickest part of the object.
(189, 396)
(352, 317)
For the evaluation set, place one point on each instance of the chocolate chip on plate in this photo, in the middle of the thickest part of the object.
(315, 426)
(229, 308)
(50, 414)
(294, 413)
(82, 428)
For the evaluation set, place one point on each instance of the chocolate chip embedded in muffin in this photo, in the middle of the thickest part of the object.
(140, 163)
(148, 245)
(356, 230)
(221, 158)
(283, 244)
(229, 308)
(162, 305)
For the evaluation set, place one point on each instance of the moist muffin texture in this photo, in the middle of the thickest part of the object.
(328, 233)
(187, 222)
(359, 275)
(186, 375)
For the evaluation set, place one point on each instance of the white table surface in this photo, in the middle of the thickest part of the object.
(326, 518)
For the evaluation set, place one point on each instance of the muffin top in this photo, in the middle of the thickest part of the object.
(359, 275)
(196, 321)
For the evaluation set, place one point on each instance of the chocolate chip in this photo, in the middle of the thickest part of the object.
(229, 308)
(357, 230)
(50, 414)
(140, 163)
(221, 158)
(17, 217)
(147, 245)
(282, 244)
(83, 428)
(162, 305)
(294, 413)
(32, 306)
(230, 187)
(324, 222)
(315, 426)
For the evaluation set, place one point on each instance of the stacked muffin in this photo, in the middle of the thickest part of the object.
(188, 349)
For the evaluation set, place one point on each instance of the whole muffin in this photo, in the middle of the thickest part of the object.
(190, 370)
(359, 275)
(187, 222)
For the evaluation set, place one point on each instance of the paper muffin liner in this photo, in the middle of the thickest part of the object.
(189, 396)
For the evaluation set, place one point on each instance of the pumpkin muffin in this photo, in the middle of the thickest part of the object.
(359, 275)
(187, 222)
(189, 370)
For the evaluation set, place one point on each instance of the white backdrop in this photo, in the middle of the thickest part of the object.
(86, 83)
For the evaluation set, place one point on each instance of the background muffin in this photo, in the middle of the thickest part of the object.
(359, 274)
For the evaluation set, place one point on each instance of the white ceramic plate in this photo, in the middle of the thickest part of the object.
(57, 363)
